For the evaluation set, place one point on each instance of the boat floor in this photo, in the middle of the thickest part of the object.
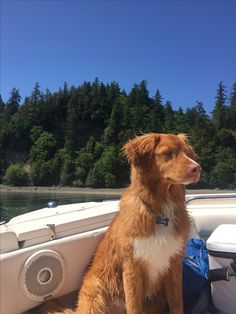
(68, 302)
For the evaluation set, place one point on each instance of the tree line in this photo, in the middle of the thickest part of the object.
(75, 136)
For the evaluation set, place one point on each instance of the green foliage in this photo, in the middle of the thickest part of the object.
(220, 111)
(66, 167)
(44, 148)
(44, 173)
(85, 160)
(75, 135)
(44, 168)
(13, 102)
(2, 105)
(115, 123)
(107, 171)
(2, 168)
(35, 133)
(16, 176)
(224, 172)
(225, 138)
(232, 108)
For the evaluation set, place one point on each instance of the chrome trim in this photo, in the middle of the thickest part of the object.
(52, 231)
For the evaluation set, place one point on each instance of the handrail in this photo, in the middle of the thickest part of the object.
(209, 196)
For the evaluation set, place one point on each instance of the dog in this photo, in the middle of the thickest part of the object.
(137, 267)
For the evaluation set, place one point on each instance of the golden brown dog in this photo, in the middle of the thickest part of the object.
(138, 264)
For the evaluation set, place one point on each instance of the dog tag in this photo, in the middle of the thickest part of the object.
(162, 221)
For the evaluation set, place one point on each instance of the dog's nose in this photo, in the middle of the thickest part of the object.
(196, 169)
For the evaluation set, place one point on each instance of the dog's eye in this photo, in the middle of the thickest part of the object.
(168, 154)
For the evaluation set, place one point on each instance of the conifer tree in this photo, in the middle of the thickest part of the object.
(2, 105)
(180, 126)
(113, 91)
(158, 103)
(139, 95)
(85, 103)
(36, 95)
(72, 127)
(155, 116)
(232, 108)
(169, 118)
(159, 109)
(83, 129)
(220, 110)
(111, 133)
(14, 101)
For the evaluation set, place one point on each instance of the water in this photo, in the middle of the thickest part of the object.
(14, 204)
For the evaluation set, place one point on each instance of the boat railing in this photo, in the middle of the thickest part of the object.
(191, 198)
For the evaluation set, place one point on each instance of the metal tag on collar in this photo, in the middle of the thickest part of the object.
(162, 221)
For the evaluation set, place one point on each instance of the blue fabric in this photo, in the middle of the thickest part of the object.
(195, 278)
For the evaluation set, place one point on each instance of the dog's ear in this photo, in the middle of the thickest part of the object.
(141, 148)
(184, 138)
(191, 152)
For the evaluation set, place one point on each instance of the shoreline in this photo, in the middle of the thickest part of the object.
(59, 190)
(95, 191)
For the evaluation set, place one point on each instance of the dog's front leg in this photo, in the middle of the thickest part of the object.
(173, 286)
(133, 288)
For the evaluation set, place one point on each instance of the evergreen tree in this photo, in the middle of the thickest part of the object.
(2, 105)
(156, 114)
(100, 108)
(139, 95)
(75, 135)
(196, 119)
(169, 118)
(36, 95)
(220, 110)
(72, 126)
(113, 91)
(160, 108)
(232, 108)
(85, 103)
(112, 132)
(13, 102)
(126, 130)
(179, 119)
(139, 103)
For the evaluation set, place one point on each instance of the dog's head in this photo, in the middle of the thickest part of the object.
(165, 156)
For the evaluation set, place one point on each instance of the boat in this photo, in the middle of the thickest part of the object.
(45, 253)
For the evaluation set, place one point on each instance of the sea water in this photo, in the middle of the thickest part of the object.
(14, 204)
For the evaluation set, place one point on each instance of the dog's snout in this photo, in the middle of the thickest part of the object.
(196, 169)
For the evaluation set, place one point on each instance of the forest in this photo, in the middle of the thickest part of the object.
(74, 137)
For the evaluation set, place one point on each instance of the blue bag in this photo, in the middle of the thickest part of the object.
(196, 287)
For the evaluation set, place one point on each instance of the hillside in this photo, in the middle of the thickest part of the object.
(75, 136)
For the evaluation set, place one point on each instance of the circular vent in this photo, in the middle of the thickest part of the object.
(43, 275)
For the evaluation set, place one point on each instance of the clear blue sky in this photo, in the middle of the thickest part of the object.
(183, 48)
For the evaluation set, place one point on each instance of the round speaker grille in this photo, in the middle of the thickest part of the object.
(42, 275)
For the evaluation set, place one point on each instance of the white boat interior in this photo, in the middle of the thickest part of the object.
(45, 253)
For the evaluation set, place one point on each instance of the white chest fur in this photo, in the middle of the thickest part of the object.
(157, 249)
